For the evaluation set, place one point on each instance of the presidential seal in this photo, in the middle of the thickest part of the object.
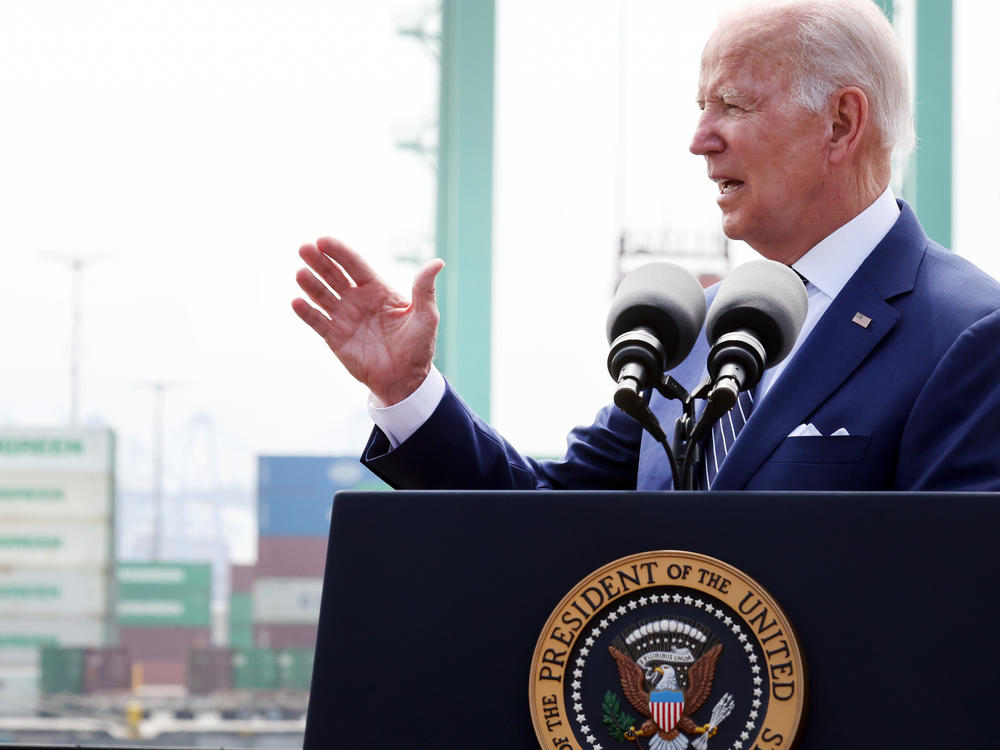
(667, 651)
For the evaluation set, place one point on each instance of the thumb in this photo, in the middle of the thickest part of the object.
(423, 285)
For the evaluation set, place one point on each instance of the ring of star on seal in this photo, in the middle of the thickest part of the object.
(668, 650)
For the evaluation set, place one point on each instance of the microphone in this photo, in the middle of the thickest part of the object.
(752, 325)
(653, 322)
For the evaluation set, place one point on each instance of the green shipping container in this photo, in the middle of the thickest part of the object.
(241, 635)
(255, 669)
(193, 610)
(63, 670)
(241, 621)
(240, 609)
(156, 580)
(165, 594)
(295, 667)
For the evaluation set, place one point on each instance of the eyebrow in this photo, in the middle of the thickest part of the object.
(726, 95)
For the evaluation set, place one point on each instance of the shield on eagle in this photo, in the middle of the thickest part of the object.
(666, 707)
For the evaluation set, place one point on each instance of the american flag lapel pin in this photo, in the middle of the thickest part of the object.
(862, 320)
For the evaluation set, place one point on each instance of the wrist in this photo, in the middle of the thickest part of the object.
(399, 391)
(400, 420)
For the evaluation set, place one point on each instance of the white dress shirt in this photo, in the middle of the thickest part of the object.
(831, 263)
(827, 266)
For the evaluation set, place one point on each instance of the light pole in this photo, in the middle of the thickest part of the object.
(159, 388)
(76, 263)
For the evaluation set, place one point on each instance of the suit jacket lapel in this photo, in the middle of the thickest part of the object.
(834, 349)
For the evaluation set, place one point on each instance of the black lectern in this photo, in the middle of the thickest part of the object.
(433, 603)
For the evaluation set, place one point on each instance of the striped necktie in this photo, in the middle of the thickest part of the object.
(722, 437)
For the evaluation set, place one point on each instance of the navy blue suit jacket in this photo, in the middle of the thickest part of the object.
(918, 391)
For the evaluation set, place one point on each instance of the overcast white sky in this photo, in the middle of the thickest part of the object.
(190, 146)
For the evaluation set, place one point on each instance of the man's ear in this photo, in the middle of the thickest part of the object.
(849, 122)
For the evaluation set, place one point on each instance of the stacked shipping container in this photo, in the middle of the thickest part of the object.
(56, 549)
(164, 611)
(274, 605)
(258, 669)
(294, 502)
(241, 606)
(101, 626)
(85, 670)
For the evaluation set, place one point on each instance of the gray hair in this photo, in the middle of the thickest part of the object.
(839, 43)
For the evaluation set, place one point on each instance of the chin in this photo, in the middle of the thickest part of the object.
(732, 228)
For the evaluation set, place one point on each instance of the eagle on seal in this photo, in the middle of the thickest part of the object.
(700, 677)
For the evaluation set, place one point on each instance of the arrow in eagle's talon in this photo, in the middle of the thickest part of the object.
(719, 714)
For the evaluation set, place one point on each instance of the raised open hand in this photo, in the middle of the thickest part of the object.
(383, 339)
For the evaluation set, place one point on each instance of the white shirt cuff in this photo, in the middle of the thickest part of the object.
(401, 420)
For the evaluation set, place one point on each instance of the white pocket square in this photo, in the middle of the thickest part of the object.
(809, 430)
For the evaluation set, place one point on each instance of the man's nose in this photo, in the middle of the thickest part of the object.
(706, 139)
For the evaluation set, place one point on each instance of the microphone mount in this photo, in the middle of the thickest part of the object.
(686, 451)
(635, 356)
(735, 363)
(637, 361)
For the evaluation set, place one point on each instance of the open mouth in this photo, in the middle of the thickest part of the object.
(729, 186)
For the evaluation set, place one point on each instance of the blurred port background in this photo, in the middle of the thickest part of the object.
(170, 652)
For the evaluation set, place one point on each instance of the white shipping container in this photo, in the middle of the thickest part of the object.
(55, 592)
(287, 600)
(19, 691)
(40, 544)
(56, 495)
(53, 449)
(26, 657)
(19, 633)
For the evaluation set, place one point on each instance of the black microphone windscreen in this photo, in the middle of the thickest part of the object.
(763, 296)
(665, 298)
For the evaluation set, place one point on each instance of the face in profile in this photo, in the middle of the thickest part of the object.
(764, 152)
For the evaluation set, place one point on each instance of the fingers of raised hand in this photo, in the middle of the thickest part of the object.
(313, 318)
(355, 266)
(318, 291)
(325, 267)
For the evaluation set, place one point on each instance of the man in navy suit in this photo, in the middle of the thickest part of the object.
(894, 381)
